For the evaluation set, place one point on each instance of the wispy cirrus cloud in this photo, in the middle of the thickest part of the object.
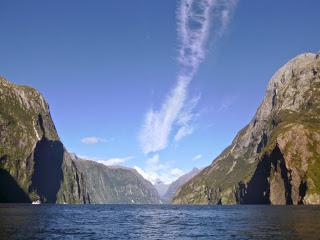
(193, 31)
(183, 132)
(93, 140)
(195, 20)
(158, 124)
(186, 119)
(197, 157)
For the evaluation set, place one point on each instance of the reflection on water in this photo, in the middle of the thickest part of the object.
(158, 222)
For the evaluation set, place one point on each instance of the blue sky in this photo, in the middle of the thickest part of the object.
(109, 70)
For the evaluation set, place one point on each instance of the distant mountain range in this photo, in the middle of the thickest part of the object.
(168, 191)
(275, 159)
(174, 187)
(161, 187)
(35, 166)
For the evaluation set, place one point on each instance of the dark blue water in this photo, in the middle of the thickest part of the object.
(158, 222)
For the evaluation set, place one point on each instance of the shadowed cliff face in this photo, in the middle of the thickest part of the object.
(32, 158)
(273, 183)
(11, 192)
(272, 167)
(47, 176)
(275, 159)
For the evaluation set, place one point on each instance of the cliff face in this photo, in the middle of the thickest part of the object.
(275, 159)
(33, 161)
(34, 164)
(116, 184)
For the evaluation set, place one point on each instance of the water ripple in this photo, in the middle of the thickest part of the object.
(158, 222)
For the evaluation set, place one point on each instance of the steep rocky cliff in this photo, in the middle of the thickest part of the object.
(116, 184)
(275, 159)
(34, 164)
(33, 161)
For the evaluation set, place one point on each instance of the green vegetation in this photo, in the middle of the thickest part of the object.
(289, 119)
(24, 120)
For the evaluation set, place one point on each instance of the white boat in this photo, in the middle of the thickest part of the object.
(36, 202)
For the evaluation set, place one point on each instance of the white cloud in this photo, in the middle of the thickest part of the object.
(176, 173)
(228, 7)
(93, 140)
(153, 160)
(183, 132)
(197, 157)
(193, 30)
(186, 119)
(149, 175)
(108, 162)
(187, 115)
(155, 170)
(115, 161)
(195, 18)
(158, 124)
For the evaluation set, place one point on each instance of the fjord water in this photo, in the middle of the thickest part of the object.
(158, 222)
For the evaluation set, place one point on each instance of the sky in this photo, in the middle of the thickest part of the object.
(161, 86)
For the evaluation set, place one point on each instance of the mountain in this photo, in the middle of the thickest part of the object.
(275, 159)
(174, 187)
(116, 184)
(161, 187)
(34, 164)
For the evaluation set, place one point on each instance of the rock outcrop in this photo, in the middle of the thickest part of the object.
(34, 165)
(275, 159)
